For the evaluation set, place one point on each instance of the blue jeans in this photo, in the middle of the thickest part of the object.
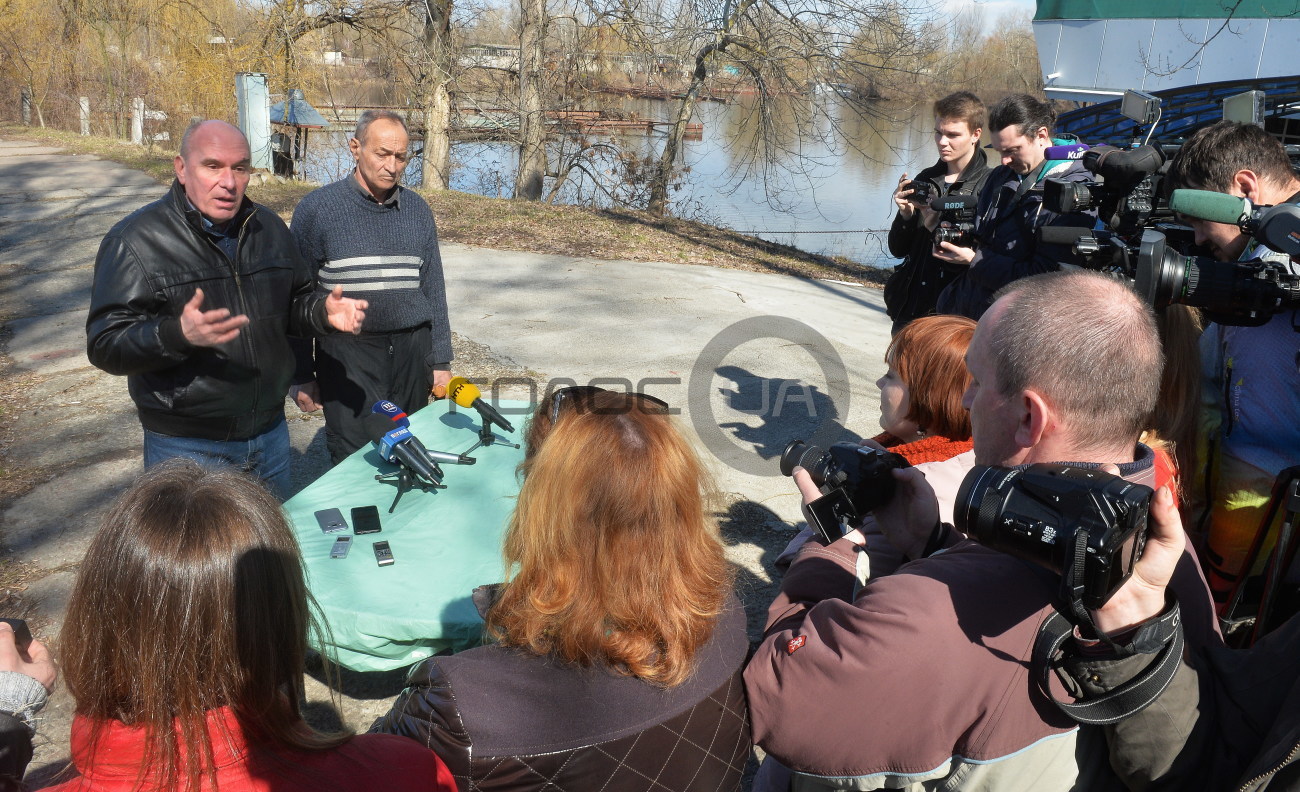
(265, 456)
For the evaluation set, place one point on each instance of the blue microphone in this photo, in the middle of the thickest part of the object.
(1074, 151)
(395, 414)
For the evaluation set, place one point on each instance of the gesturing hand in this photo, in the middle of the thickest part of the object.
(345, 313)
(1142, 596)
(209, 328)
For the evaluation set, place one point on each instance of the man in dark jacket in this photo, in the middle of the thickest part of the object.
(1011, 211)
(915, 284)
(193, 297)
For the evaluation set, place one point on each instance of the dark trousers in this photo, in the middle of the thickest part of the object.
(354, 372)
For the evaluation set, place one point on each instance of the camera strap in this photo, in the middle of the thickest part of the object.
(1163, 637)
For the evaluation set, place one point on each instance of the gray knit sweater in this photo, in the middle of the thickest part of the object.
(384, 253)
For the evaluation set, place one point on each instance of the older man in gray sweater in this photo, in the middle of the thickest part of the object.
(377, 240)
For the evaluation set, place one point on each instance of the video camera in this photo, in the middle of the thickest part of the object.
(1049, 514)
(956, 220)
(853, 479)
(1125, 196)
(1241, 293)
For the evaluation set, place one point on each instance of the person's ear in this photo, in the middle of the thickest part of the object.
(1248, 184)
(179, 165)
(354, 146)
(975, 136)
(1035, 420)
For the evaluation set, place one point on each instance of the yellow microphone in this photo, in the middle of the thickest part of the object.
(467, 394)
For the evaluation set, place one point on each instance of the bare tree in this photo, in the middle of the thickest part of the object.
(532, 121)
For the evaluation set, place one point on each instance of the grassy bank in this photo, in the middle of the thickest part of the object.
(526, 225)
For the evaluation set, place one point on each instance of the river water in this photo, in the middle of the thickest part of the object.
(826, 192)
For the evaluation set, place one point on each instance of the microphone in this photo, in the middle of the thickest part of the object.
(466, 394)
(954, 203)
(397, 445)
(1064, 235)
(1123, 164)
(1216, 207)
(1073, 151)
(395, 414)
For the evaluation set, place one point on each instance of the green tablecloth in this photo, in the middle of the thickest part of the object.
(444, 543)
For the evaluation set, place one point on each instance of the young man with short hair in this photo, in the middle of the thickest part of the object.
(1011, 210)
(915, 284)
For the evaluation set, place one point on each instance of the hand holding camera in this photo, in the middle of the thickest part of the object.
(18, 652)
(902, 197)
(1142, 597)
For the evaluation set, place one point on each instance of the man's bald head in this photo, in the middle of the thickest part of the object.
(213, 167)
(1088, 344)
(206, 128)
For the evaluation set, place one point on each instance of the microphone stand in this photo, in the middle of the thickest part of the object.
(405, 481)
(486, 437)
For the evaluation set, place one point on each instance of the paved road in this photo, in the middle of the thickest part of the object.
(751, 359)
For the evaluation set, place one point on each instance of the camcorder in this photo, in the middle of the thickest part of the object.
(956, 220)
(1241, 293)
(1048, 514)
(1125, 193)
(853, 480)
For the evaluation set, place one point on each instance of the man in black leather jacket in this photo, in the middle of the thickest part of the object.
(193, 299)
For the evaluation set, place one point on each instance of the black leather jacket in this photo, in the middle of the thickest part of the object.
(508, 721)
(147, 269)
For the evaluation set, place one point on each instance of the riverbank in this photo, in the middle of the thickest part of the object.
(527, 226)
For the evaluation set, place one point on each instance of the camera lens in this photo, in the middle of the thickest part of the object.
(799, 454)
(1162, 274)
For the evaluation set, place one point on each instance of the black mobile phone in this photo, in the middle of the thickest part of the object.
(365, 520)
(22, 635)
(331, 521)
(383, 556)
(341, 547)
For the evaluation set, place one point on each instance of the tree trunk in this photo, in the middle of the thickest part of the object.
(532, 123)
(436, 99)
(663, 174)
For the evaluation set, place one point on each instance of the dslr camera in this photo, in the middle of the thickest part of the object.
(1038, 513)
(956, 220)
(853, 480)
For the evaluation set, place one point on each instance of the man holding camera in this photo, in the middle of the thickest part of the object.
(1011, 211)
(914, 286)
(1251, 375)
(921, 680)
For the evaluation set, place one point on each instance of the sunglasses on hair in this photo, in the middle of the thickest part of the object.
(570, 393)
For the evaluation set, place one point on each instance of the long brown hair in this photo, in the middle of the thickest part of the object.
(929, 356)
(191, 598)
(616, 561)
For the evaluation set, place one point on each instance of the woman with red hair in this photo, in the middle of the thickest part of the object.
(920, 395)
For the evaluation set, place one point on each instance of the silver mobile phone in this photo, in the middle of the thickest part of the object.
(341, 547)
(331, 521)
(383, 555)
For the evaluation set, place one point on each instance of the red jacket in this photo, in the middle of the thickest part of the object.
(366, 762)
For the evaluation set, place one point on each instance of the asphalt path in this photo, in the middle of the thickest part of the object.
(751, 360)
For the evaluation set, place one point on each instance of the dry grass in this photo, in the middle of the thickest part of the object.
(526, 225)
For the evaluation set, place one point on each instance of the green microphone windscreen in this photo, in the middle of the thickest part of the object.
(1213, 206)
